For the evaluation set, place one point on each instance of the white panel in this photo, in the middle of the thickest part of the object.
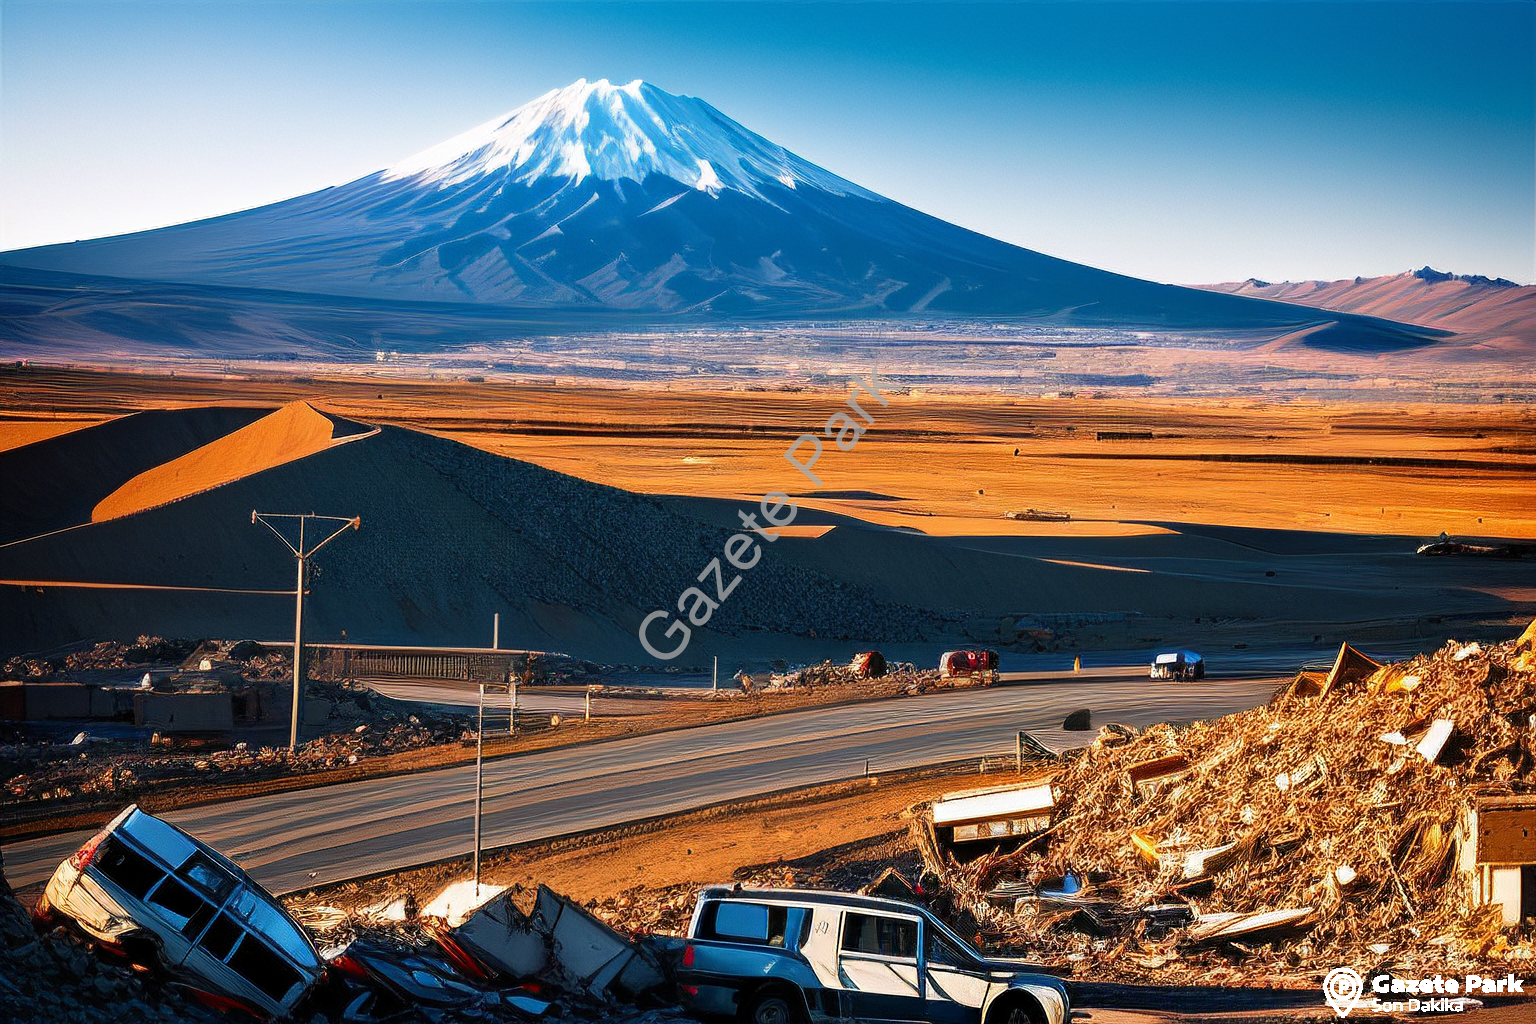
(1506, 890)
(1013, 803)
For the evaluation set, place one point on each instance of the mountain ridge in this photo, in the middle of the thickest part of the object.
(1472, 305)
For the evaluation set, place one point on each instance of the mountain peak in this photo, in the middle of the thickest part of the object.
(606, 131)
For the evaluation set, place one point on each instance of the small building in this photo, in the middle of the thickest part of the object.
(1498, 854)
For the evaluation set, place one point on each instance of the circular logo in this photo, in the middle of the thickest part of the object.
(1341, 988)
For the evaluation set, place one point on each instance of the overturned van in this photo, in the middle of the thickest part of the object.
(145, 890)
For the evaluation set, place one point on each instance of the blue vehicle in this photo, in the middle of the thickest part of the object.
(798, 956)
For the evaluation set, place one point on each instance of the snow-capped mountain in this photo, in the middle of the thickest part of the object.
(610, 132)
(599, 197)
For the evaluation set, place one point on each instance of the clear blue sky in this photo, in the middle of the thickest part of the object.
(1184, 142)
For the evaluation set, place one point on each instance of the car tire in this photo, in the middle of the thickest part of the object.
(773, 1006)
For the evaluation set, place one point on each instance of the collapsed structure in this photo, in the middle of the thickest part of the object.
(1370, 814)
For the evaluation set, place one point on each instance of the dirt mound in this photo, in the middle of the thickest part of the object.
(292, 432)
(54, 484)
(1350, 802)
(450, 535)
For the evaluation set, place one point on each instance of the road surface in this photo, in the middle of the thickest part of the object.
(311, 837)
(670, 695)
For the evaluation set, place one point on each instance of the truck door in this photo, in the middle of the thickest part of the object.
(878, 966)
(956, 987)
(819, 947)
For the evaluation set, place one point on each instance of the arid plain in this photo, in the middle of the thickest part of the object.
(943, 462)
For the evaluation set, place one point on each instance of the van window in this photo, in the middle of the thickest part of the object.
(220, 937)
(883, 936)
(736, 921)
(207, 877)
(272, 923)
(260, 965)
(177, 902)
(164, 840)
(125, 866)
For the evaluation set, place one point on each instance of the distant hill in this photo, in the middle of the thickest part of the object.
(1488, 309)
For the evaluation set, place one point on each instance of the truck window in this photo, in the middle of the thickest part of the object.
(737, 921)
(883, 936)
(125, 866)
(941, 951)
(259, 964)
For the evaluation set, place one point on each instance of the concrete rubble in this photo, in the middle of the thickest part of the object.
(1289, 839)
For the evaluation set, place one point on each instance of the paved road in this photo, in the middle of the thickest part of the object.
(308, 837)
(569, 701)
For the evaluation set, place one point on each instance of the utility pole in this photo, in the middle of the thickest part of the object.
(496, 631)
(302, 553)
(714, 686)
(479, 780)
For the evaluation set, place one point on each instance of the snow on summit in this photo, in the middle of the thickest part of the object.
(598, 129)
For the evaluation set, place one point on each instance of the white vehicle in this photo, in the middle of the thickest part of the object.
(144, 889)
(797, 956)
(1178, 665)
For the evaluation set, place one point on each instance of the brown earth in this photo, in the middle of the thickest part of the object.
(941, 463)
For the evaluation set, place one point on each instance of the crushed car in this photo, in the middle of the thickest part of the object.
(955, 664)
(776, 956)
(149, 893)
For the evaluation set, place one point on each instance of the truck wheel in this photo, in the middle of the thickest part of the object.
(771, 1007)
(1017, 1010)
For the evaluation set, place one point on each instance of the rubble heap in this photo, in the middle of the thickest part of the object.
(108, 654)
(1343, 801)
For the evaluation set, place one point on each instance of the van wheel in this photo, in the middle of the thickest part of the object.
(771, 1007)
(143, 955)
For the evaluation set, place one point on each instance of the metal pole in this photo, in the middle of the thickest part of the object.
(1018, 752)
(714, 686)
(479, 781)
(298, 657)
(588, 716)
(496, 631)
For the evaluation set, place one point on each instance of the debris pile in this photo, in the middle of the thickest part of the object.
(146, 650)
(40, 771)
(1328, 827)
(492, 953)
